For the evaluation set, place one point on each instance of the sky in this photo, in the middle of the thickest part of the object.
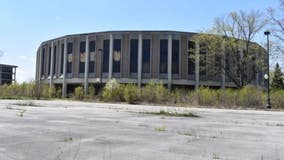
(25, 24)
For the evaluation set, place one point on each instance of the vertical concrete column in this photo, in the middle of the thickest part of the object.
(51, 65)
(40, 63)
(139, 67)
(223, 66)
(110, 56)
(37, 61)
(86, 66)
(169, 61)
(197, 65)
(64, 85)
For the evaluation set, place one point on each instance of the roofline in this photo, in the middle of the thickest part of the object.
(117, 31)
(7, 65)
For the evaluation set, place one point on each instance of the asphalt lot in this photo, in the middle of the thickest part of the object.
(69, 130)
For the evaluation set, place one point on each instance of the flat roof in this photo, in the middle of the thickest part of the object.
(7, 65)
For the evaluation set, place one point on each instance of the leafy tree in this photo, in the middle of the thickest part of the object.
(231, 40)
(278, 80)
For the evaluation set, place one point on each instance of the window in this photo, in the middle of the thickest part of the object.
(6, 76)
(82, 57)
(133, 55)
(116, 55)
(175, 56)
(105, 55)
(191, 60)
(202, 60)
(62, 58)
(146, 50)
(69, 57)
(7, 69)
(49, 61)
(42, 61)
(92, 46)
(163, 55)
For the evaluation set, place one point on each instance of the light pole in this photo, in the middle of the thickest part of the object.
(267, 77)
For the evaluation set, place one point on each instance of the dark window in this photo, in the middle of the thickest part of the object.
(62, 58)
(82, 57)
(54, 59)
(69, 48)
(49, 61)
(175, 56)
(202, 60)
(92, 46)
(6, 76)
(133, 55)
(163, 56)
(227, 62)
(191, 58)
(42, 61)
(146, 50)
(116, 55)
(7, 69)
(218, 64)
(69, 57)
(106, 56)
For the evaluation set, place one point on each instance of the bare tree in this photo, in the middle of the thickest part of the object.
(235, 32)
(276, 19)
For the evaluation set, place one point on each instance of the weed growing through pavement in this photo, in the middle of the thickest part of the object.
(28, 103)
(21, 113)
(161, 128)
(174, 114)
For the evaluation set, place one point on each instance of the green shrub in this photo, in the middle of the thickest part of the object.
(277, 99)
(58, 92)
(79, 93)
(131, 93)
(228, 98)
(113, 91)
(91, 92)
(207, 97)
(52, 92)
(148, 92)
(249, 96)
(162, 94)
(156, 93)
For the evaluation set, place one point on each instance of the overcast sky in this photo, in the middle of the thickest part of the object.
(25, 24)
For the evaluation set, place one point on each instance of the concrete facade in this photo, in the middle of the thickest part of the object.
(125, 49)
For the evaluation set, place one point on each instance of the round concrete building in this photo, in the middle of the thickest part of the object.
(128, 56)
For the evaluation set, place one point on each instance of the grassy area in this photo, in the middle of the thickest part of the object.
(174, 114)
(152, 93)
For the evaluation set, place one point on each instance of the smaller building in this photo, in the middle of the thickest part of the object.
(7, 74)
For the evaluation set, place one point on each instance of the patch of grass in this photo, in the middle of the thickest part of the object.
(68, 139)
(29, 103)
(174, 114)
(185, 133)
(21, 113)
(280, 125)
(215, 156)
(161, 128)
